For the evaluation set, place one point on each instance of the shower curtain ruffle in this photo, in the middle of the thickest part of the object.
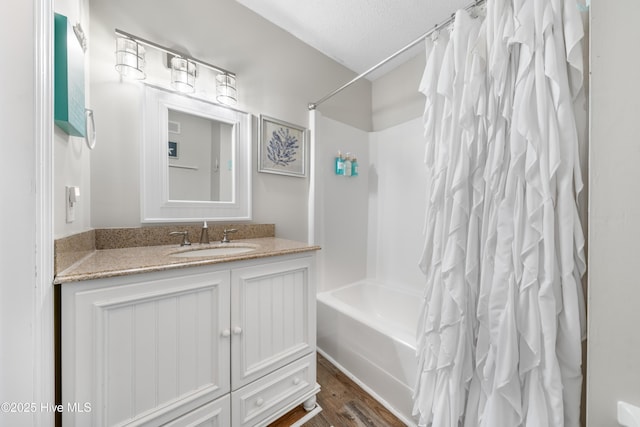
(499, 338)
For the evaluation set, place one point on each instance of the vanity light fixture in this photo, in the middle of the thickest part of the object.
(183, 74)
(226, 92)
(130, 62)
(130, 58)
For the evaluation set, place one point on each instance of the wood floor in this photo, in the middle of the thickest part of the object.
(343, 402)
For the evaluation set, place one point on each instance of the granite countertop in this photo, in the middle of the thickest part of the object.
(133, 260)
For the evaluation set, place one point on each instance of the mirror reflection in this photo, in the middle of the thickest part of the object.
(200, 153)
(195, 160)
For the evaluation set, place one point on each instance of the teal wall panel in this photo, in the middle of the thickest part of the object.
(69, 112)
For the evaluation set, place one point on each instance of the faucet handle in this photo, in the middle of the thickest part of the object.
(185, 237)
(225, 237)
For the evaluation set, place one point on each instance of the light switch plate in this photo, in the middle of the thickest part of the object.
(69, 206)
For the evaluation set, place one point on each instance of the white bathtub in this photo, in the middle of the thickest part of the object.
(367, 330)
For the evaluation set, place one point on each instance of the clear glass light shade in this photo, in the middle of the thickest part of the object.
(226, 92)
(183, 74)
(130, 58)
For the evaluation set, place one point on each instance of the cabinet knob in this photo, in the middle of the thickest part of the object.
(226, 333)
(237, 330)
(296, 381)
(259, 402)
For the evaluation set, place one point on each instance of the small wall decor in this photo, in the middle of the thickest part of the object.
(173, 150)
(69, 111)
(281, 148)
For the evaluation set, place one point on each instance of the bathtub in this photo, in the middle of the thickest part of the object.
(367, 330)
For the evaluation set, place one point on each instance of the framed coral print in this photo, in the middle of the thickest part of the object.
(281, 148)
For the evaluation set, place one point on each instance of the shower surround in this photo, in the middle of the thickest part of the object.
(369, 228)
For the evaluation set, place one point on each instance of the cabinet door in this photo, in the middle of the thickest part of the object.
(144, 353)
(273, 317)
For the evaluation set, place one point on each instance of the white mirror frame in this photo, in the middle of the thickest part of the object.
(154, 181)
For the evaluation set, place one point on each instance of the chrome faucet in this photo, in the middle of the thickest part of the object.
(225, 237)
(185, 237)
(204, 234)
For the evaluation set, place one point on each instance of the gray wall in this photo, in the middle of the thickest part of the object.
(614, 213)
(195, 146)
(278, 76)
(395, 98)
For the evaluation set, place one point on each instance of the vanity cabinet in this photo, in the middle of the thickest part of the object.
(230, 344)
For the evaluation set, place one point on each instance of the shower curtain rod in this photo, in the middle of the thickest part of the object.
(314, 105)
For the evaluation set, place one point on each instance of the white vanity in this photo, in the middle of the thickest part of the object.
(205, 335)
(198, 342)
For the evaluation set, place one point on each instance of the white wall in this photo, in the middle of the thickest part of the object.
(370, 225)
(71, 155)
(277, 76)
(341, 214)
(397, 201)
(614, 213)
(17, 216)
(195, 147)
(225, 175)
(26, 303)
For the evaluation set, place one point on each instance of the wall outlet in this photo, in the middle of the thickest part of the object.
(72, 196)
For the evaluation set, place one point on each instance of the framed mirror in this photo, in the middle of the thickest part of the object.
(196, 160)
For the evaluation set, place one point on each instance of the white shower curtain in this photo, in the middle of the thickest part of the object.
(499, 339)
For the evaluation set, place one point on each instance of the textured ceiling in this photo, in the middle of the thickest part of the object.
(357, 33)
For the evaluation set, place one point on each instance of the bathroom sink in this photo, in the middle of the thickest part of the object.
(213, 251)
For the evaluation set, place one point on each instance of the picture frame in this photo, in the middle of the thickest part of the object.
(173, 150)
(282, 148)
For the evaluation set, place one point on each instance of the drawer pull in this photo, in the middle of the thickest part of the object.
(237, 330)
(259, 402)
(296, 381)
(226, 333)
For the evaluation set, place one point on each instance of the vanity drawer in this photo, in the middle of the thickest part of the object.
(213, 414)
(263, 398)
